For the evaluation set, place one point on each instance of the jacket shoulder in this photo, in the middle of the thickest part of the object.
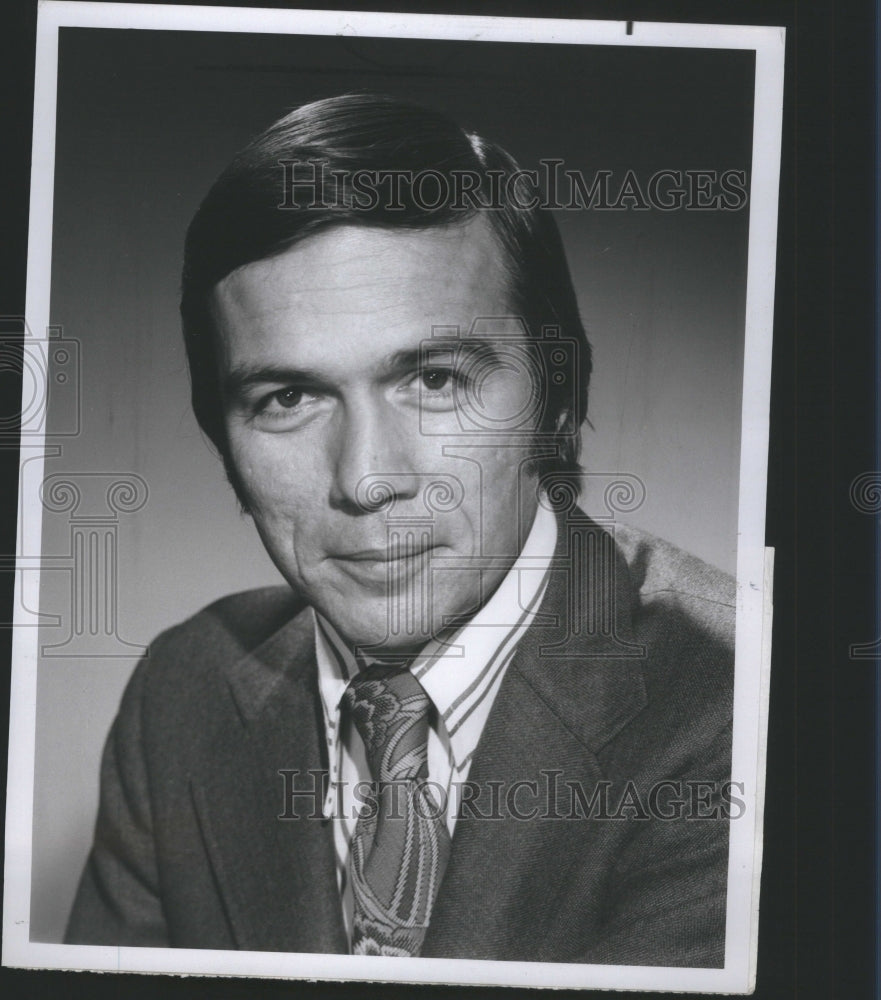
(667, 577)
(224, 631)
(683, 616)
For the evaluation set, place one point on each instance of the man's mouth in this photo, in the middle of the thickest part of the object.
(389, 555)
(393, 562)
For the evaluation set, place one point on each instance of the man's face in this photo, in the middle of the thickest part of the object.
(344, 438)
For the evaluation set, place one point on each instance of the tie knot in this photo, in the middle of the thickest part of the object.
(390, 711)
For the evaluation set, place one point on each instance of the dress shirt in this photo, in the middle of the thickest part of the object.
(461, 673)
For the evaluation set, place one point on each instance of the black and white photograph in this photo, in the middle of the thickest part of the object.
(392, 594)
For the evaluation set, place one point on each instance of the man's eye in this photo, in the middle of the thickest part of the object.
(289, 397)
(287, 407)
(435, 379)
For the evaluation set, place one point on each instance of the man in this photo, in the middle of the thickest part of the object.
(477, 724)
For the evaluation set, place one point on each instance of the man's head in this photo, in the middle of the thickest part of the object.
(355, 347)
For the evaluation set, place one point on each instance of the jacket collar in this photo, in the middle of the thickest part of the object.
(581, 656)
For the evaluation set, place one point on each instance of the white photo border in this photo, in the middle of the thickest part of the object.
(753, 585)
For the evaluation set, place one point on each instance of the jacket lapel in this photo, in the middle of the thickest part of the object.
(277, 877)
(566, 693)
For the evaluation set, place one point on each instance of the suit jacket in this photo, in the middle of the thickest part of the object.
(619, 691)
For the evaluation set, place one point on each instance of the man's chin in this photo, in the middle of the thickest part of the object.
(372, 614)
(388, 632)
(381, 644)
(387, 621)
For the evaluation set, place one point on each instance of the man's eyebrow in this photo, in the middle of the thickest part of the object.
(244, 377)
(436, 352)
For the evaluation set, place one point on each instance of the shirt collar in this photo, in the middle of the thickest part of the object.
(462, 672)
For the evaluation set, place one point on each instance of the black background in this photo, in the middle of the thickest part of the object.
(817, 932)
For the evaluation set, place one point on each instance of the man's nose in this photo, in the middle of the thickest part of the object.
(374, 466)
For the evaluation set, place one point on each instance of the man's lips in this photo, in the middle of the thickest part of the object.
(378, 565)
(396, 553)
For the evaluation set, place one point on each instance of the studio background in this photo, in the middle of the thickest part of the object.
(145, 122)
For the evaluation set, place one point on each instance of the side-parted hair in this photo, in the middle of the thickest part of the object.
(307, 172)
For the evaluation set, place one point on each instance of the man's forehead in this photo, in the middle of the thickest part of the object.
(360, 267)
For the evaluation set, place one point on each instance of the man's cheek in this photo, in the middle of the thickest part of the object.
(290, 504)
(272, 472)
(285, 508)
(501, 462)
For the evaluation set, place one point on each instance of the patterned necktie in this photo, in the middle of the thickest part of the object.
(401, 843)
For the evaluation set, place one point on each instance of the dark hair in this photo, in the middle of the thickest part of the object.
(300, 176)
